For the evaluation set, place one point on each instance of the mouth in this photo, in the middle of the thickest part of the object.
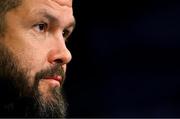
(57, 78)
(54, 79)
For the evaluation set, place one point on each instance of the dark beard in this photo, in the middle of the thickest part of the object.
(18, 99)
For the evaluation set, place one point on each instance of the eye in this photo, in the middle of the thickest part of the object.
(65, 33)
(41, 27)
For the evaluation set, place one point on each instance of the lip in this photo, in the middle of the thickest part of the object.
(57, 78)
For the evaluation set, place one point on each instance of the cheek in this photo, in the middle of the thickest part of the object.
(31, 60)
(36, 60)
(28, 52)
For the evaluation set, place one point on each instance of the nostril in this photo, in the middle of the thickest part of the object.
(58, 61)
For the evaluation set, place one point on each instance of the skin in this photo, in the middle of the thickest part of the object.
(36, 35)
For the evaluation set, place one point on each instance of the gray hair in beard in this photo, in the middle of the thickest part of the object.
(14, 87)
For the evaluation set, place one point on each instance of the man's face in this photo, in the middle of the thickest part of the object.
(35, 37)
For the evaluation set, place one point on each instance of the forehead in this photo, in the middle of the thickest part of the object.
(55, 7)
(57, 3)
(63, 2)
(31, 11)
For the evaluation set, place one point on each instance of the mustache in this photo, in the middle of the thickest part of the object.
(56, 70)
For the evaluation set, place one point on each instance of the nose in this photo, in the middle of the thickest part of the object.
(59, 54)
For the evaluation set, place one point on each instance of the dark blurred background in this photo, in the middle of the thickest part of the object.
(125, 59)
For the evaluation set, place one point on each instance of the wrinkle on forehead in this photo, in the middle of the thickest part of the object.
(64, 2)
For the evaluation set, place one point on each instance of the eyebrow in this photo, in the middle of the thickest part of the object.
(55, 20)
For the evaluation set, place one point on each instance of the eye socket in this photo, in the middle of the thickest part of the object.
(41, 27)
